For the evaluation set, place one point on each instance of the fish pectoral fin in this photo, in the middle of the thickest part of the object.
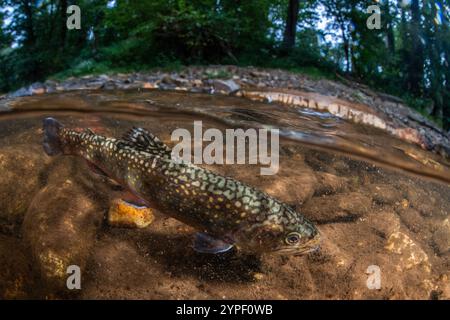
(95, 169)
(143, 140)
(98, 171)
(205, 243)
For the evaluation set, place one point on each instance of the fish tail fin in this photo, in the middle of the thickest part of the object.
(52, 142)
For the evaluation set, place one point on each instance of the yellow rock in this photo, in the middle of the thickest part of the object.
(258, 276)
(405, 203)
(341, 263)
(54, 265)
(410, 253)
(123, 214)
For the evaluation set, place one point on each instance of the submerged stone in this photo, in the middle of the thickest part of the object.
(441, 238)
(330, 183)
(16, 193)
(125, 214)
(411, 254)
(59, 229)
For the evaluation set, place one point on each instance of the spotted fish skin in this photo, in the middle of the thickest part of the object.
(219, 206)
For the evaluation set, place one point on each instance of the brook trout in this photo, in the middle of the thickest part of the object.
(227, 212)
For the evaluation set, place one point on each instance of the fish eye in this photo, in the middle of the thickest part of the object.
(293, 238)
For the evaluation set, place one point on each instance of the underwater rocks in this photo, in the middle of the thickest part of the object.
(59, 229)
(367, 216)
(385, 194)
(427, 202)
(409, 252)
(15, 280)
(377, 240)
(412, 219)
(441, 238)
(444, 286)
(329, 183)
(23, 162)
(124, 214)
(339, 207)
(384, 223)
(292, 190)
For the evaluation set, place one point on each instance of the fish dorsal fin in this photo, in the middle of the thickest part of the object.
(142, 140)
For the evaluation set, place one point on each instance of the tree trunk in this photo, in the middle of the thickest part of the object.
(63, 21)
(347, 53)
(415, 66)
(446, 91)
(446, 106)
(346, 43)
(446, 68)
(291, 24)
(29, 28)
(403, 26)
(389, 28)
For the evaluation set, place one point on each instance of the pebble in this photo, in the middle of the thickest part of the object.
(123, 214)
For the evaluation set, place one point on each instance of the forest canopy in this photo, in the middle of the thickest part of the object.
(407, 56)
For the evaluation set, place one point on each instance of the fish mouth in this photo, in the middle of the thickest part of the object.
(298, 251)
(307, 250)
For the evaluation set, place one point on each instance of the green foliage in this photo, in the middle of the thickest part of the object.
(194, 36)
(422, 105)
(127, 52)
(83, 68)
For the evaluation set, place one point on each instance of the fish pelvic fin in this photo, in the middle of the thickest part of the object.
(52, 142)
(205, 243)
(142, 140)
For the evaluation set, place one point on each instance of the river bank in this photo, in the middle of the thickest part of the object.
(345, 99)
